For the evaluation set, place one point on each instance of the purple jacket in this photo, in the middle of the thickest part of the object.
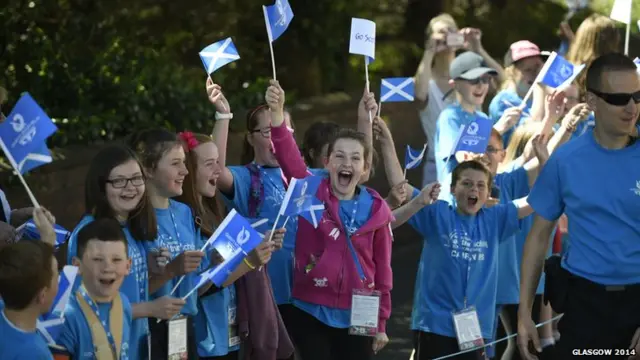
(259, 323)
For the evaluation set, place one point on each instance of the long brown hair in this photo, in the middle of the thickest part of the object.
(596, 36)
(208, 211)
(253, 116)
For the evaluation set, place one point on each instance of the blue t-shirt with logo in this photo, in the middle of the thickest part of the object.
(353, 215)
(76, 332)
(447, 131)
(460, 260)
(504, 100)
(281, 264)
(135, 285)
(17, 344)
(599, 190)
(177, 233)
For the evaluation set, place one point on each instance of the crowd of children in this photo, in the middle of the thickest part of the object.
(152, 202)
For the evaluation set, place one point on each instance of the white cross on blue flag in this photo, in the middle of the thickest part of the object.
(31, 230)
(397, 89)
(277, 17)
(413, 158)
(218, 55)
(50, 324)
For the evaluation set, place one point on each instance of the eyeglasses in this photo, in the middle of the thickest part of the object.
(121, 183)
(617, 99)
(265, 132)
(480, 80)
(492, 150)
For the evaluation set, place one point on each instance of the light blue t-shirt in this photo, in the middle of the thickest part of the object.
(177, 232)
(17, 344)
(599, 190)
(212, 320)
(353, 215)
(281, 264)
(135, 285)
(76, 333)
(460, 260)
(447, 131)
(504, 100)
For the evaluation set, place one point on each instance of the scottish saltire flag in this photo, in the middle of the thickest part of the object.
(277, 17)
(314, 214)
(50, 324)
(300, 195)
(557, 72)
(233, 240)
(413, 157)
(31, 230)
(397, 89)
(474, 137)
(24, 133)
(218, 55)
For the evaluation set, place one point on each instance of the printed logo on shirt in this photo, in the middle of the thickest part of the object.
(463, 247)
(334, 233)
(636, 190)
(323, 282)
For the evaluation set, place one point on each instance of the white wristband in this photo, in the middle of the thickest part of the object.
(220, 116)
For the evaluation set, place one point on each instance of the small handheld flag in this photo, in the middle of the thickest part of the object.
(277, 17)
(557, 73)
(363, 42)
(31, 231)
(473, 138)
(299, 198)
(50, 324)
(621, 12)
(24, 132)
(413, 158)
(314, 213)
(218, 55)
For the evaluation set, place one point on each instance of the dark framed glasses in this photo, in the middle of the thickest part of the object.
(617, 99)
(123, 182)
(265, 132)
(480, 80)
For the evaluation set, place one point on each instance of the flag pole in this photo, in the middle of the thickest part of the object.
(15, 167)
(366, 74)
(626, 39)
(266, 22)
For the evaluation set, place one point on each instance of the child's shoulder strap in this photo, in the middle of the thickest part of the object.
(256, 190)
(101, 344)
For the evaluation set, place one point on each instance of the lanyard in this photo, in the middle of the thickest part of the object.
(94, 307)
(461, 238)
(143, 286)
(349, 231)
(175, 225)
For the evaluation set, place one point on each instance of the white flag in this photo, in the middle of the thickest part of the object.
(621, 11)
(363, 37)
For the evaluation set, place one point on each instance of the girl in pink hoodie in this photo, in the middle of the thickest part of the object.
(345, 262)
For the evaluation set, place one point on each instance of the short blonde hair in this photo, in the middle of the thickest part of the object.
(445, 18)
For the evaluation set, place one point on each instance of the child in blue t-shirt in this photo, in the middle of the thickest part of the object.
(459, 258)
(28, 286)
(98, 317)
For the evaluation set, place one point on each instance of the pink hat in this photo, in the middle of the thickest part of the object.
(520, 50)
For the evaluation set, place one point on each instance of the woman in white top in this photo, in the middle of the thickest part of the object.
(432, 77)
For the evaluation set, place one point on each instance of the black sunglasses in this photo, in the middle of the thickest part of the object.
(480, 80)
(617, 99)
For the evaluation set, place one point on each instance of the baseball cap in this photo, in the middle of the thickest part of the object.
(521, 50)
(469, 66)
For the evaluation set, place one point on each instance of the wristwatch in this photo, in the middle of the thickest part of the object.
(220, 116)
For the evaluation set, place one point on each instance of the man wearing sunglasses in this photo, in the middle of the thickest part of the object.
(595, 180)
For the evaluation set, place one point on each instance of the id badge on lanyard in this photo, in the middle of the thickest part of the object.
(177, 339)
(365, 309)
(466, 321)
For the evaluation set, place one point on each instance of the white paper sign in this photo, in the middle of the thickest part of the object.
(621, 11)
(363, 37)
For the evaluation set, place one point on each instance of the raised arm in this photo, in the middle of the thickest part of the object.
(367, 107)
(427, 196)
(423, 75)
(286, 150)
(220, 134)
(44, 222)
(473, 42)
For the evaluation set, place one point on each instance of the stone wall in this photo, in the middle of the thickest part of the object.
(59, 186)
